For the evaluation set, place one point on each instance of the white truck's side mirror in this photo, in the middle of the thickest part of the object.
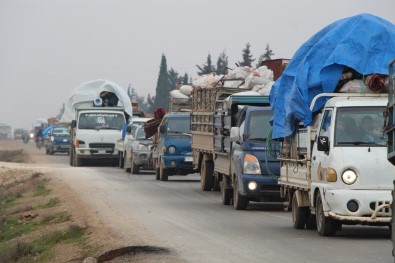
(235, 134)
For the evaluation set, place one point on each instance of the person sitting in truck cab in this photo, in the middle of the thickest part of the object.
(376, 134)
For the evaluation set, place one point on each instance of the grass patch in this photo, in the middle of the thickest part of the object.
(11, 228)
(51, 203)
(17, 156)
(10, 200)
(56, 218)
(40, 249)
(41, 190)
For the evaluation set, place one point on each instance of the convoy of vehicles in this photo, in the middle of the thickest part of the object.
(335, 169)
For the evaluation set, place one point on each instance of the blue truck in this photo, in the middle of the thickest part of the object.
(171, 151)
(231, 146)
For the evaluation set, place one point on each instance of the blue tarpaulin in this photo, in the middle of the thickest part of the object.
(365, 43)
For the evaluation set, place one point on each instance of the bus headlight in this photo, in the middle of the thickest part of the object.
(349, 177)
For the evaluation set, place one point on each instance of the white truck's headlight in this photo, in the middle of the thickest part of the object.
(349, 177)
(172, 149)
(251, 165)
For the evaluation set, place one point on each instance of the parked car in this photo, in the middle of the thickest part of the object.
(58, 141)
(138, 151)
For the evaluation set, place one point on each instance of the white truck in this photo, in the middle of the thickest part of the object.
(334, 175)
(97, 111)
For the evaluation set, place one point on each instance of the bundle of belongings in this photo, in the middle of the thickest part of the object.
(151, 127)
(258, 80)
(349, 55)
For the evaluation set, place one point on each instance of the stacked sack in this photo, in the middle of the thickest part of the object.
(181, 95)
(259, 80)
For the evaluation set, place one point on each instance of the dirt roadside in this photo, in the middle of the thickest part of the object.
(105, 245)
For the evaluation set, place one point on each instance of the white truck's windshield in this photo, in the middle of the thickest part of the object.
(360, 126)
(98, 120)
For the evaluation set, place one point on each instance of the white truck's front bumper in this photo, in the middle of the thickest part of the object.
(359, 206)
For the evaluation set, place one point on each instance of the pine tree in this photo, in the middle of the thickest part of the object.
(151, 103)
(247, 57)
(163, 86)
(206, 68)
(174, 79)
(222, 64)
(185, 79)
(265, 56)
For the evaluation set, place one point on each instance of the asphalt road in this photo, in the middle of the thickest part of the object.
(178, 215)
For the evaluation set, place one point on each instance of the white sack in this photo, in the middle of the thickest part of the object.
(354, 86)
(178, 96)
(207, 81)
(186, 90)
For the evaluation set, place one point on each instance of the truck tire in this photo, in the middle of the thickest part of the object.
(207, 175)
(163, 173)
(239, 202)
(226, 192)
(326, 226)
(157, 174)
(77, 161)
(299, 214)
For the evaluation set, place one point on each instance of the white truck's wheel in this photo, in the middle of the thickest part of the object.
(325, 226)
(299, 214)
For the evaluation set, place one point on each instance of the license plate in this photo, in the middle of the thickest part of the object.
(101, 151)
(188, 159)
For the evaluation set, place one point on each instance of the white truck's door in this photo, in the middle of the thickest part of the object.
(320, 159)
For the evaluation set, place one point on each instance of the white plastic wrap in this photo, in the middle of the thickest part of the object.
(207, 81)
(89, 91)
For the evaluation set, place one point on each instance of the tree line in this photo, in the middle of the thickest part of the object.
(170, 79)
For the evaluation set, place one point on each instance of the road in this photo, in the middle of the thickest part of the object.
(178, 215)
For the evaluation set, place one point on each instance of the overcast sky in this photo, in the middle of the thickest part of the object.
(48, 47)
